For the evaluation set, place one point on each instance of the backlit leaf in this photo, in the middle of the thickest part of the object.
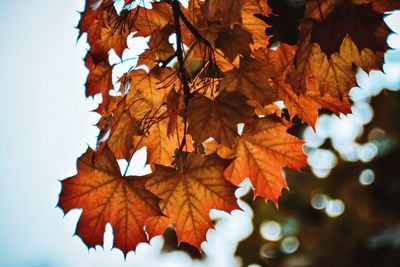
(105, 196)
(187, 197)
(218, 118)
(262, 151)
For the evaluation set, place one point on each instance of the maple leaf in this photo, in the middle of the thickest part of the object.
(121, 128)
(105, 196)
(252, 23)
(105, 30)
(335, 37)
(187, 196)
(262, 150)
(147, 20)
(148, 58)
(334, 75)
(218, 118)
(146, 100)
(99, 79)
(151, 87)
(281, 60)
(106, 108)
(338, 19)
(303, 104)
(253, 79)
(160, 146)
(160, 49)
(227, 12)
(234, 42)
(91, 20)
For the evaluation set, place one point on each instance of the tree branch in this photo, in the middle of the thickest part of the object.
(179, 53)
(192, 29)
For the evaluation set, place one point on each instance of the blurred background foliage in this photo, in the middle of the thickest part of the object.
(346, 216)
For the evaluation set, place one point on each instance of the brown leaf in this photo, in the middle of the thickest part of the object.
(218, 118)
(281, 60)
(226, 12)
(234, 42)
(159, 42)
(339, 19)
(253, 79)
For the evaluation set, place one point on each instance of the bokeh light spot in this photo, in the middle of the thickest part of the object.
(367, 177)
(268, 251)
(271, 230)
(289, 245)
(319, 201)
(367, 152)
(334, 208)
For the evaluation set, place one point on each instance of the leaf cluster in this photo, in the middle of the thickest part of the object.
(228, 66)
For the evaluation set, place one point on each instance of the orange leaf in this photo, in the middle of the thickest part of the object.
(255, 25)
(107, 197)
(105, 30)
(151, 87)
(281, 60)
(334, 75)
(304, 103)
(145, 20)
(187, 197)
(99, 79)
(261, 152)
(122, 128)
(160, 49)
(91, 20)
(160, 146)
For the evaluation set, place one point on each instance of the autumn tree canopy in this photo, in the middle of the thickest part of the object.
(229, 63)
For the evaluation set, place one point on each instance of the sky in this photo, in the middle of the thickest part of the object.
(45, 125)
